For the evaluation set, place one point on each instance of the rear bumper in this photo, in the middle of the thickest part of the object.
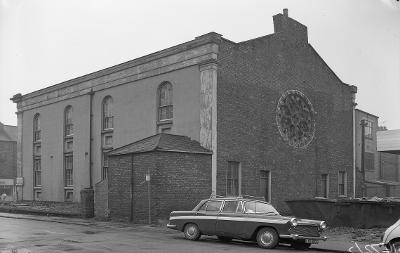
(171, 226)
(300, 237)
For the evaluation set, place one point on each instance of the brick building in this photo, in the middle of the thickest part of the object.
(8, 159)
(278, 120)
(382, 169)
(174, 169)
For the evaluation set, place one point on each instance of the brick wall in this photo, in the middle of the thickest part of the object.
(178, 182)
(8, 159)
(389, 166)
(101, 199)
(252, 76)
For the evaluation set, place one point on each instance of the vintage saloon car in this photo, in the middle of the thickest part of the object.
(246, 219)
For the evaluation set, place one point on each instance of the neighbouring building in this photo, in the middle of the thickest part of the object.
(8, 160)
(381, 168)
(277, 119)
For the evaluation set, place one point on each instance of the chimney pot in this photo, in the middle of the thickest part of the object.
(286, 12)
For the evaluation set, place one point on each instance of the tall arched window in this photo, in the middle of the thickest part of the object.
(68, 125)
(37, 158)
(107, 113)
(107, 133)
(165, 111)
(68, 154)
(36, 127)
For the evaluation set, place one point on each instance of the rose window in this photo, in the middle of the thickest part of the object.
(295, 118)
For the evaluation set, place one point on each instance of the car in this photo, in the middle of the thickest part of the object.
(391, 238)
(246, 218)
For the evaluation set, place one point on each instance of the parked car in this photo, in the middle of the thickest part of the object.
(246, 219)
(391, 238)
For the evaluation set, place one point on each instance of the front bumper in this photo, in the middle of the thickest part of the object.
(171, 226)
(300, 237)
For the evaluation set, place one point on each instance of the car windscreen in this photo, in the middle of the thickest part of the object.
(260, 208)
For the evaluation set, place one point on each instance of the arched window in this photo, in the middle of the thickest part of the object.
(68, 125)
(165, 111)
(107, 133)
(107, 113)
(36, 128)
(37, 158)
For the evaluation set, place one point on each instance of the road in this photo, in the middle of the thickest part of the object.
(28, 236)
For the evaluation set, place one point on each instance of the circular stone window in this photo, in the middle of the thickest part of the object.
(295, 118)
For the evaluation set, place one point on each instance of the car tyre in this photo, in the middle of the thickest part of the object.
(394, 246)
(192, 232)
(224, 238)
(300, 245)
(267, 238)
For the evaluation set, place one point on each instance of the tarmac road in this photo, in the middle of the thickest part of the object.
(26, 235)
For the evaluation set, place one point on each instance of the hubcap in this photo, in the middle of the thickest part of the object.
(266, 238)
(191, 231)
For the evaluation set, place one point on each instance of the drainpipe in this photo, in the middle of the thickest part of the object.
(132, 180)
(90, 93)
(354, 104)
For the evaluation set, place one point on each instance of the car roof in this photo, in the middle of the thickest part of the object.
(236, 198)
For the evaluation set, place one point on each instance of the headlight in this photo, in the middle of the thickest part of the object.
(322, 225)
(293, 222)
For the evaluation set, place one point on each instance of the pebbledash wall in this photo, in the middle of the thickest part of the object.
(277, 118)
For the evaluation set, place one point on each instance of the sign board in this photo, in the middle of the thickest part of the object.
(147, 177)
(6, 181)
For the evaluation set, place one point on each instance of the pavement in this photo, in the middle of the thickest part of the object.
(337, 240)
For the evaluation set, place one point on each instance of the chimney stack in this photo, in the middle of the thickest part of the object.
(286, 12)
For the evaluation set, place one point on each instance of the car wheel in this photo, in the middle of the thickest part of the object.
(267, 238)
(192, 232)
(300, 245)
(395, 246)
(224, 239)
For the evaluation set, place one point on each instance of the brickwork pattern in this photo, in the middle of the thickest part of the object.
(178, 182)
(101, 199)
(252, 76)
(8, 159)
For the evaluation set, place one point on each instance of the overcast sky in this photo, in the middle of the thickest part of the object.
(44, 42)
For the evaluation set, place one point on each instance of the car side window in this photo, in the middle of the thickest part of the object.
(250, 207)
(213, 206)
(230, 206)
(240, 207)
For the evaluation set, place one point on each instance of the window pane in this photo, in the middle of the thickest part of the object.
(232, 179)
(250, 207)
(230, 206)
(214, 206)
(265, 208)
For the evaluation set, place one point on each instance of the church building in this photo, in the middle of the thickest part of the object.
(263, 117)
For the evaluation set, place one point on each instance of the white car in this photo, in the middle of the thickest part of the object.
(391, 238)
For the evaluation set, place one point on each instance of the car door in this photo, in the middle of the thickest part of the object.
(230, 219)
(206, 216)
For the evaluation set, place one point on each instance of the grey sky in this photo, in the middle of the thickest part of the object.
(44, 42)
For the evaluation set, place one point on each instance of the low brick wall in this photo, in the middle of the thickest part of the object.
(178, 182)
(101, 199)
(347, 213)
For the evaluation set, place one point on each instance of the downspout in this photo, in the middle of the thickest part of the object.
(132, 180)
(354, 104)
(90, 93)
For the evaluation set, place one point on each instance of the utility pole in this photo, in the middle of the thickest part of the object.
(363, 186)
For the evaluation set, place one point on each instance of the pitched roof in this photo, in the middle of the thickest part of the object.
(162, 142)
(8, 133)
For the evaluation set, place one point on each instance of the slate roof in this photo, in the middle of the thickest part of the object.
(162, 142)
(8, 133)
